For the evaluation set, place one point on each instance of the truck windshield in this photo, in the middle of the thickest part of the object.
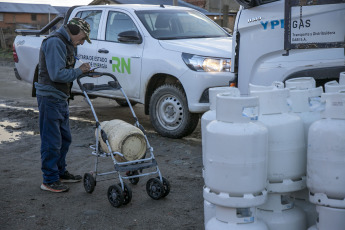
(179, 24)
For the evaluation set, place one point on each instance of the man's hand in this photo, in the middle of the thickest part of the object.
(85, 67)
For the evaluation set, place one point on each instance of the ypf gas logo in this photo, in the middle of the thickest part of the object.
(300, 24)
(273, 24)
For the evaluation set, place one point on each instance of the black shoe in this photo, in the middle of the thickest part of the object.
(70, 178)
(56, 186)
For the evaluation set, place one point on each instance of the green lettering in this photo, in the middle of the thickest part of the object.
(116, 65)
(126, 65)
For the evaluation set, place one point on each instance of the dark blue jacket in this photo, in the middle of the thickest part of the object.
(55, 56)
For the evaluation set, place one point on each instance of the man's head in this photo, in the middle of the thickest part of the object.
(79, 30)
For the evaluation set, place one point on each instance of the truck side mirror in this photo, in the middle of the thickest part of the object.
(130, 36)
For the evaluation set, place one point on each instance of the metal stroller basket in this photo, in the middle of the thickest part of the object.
(121, 194)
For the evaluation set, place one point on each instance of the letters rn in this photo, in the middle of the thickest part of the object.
(121, 62)
(280, 24)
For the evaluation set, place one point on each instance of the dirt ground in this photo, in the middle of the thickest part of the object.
(24, 206)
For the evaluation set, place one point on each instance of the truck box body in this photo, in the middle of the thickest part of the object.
(259, 39)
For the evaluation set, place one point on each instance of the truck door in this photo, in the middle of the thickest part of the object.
(87, 52)
(118, 58)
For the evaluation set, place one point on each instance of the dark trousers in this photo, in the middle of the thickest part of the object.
(55, 136)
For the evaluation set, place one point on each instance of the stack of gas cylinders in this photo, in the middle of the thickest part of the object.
(275, 159)
(326, 159)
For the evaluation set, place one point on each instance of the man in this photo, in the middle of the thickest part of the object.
(55, 77)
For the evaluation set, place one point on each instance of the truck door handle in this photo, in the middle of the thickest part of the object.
(103, 51)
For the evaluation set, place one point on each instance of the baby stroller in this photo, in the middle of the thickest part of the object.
(120, 193)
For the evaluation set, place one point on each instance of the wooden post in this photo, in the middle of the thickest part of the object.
(2, 39)
(225, 21)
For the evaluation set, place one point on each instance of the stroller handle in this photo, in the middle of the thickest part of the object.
(92, 87)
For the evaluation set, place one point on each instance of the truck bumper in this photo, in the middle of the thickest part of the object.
(197, 92)
(17, 74)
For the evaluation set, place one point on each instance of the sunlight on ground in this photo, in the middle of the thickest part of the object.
(10, 135)
(7, 135)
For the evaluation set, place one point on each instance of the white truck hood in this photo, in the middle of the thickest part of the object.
(211, 47)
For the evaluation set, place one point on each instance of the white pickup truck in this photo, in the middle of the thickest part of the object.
(168, 57)
(164, 57)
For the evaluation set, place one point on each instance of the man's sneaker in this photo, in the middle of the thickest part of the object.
(67, 177)
(56, 186)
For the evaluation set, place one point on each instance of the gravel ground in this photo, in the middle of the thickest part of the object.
(25, 206)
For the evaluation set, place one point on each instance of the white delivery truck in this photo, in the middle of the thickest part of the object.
(164, 57)
(276, 40)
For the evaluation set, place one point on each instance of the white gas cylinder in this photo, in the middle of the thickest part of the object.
(210, 115)
(124, 138)
(286, 142)
(274, 85)
(330, 218)
(279, 213)
(301, 200)
(235, 154)
(326, 155)
(342, 78)
(306, 103)
(334, 86)
(300, 83)
(209, 211)
(235, 219)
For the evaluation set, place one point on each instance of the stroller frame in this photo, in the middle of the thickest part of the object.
(121, 194)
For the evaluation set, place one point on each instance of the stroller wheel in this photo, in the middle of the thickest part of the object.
(155, 188)
(89, 182)
(166, 186)
(127, 193)
(133, 180)
(115, 195)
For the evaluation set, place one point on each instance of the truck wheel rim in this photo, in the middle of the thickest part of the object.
(169, 112)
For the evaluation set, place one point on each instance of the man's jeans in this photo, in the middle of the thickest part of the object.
(55, 136)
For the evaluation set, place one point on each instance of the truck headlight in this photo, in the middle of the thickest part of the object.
(206, 64)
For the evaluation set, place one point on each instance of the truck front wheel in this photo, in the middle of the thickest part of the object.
(169, 112)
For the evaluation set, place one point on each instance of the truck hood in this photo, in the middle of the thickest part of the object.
(211, 47)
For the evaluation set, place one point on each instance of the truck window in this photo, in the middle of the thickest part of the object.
(178, 24)
(118, 22)
(93, 18)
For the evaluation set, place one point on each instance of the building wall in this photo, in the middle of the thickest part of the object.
(14, 21)
(219, 6)
(199, 3)
(216, 5)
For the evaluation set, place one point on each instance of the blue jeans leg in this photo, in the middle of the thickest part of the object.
(55, 136)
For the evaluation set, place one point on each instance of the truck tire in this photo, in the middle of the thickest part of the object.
(169, 112)
(123, 102)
